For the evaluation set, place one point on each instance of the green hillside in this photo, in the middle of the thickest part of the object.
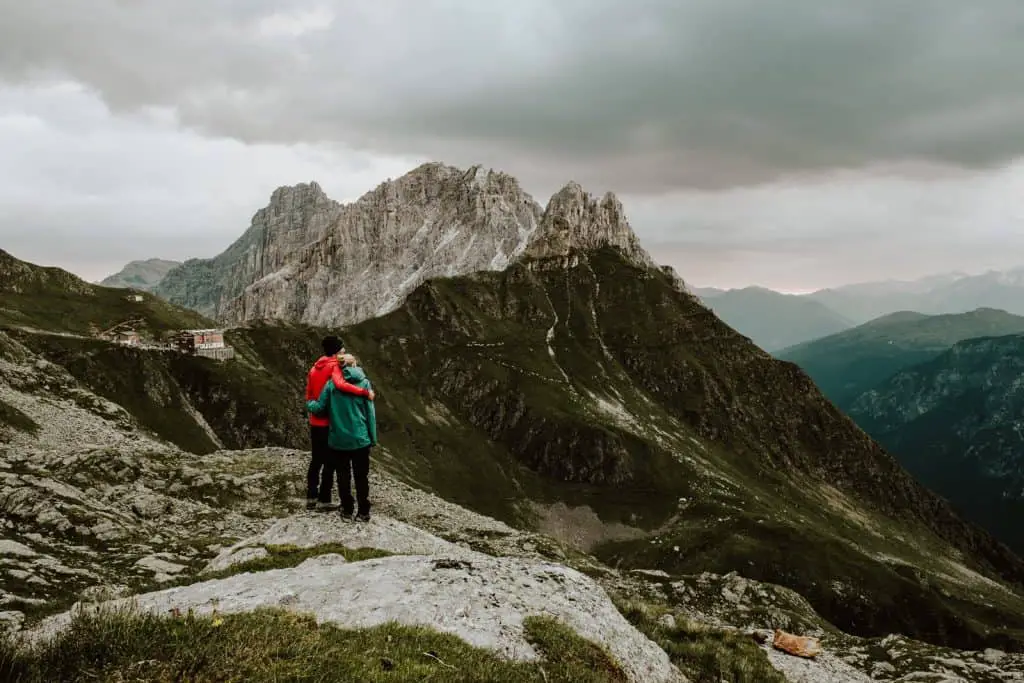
(143, 275)
(847, 364)
(522, 392)
(955, 422)
(54, 300)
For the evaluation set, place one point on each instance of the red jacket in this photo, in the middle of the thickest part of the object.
(322, 371)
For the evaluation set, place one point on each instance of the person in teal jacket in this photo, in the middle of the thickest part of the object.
(352, 433)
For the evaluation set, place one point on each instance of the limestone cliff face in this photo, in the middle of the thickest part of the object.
(309, 259)
(295, 216)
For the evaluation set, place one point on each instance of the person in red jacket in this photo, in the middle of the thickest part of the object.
(320, 474)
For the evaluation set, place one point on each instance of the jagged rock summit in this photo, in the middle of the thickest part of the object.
(309, 259)
(577, 221)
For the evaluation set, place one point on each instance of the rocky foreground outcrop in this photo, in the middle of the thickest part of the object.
(480, 598)
(309, 259)
(480, 585)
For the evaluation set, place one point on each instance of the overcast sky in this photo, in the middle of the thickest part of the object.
(789, 143)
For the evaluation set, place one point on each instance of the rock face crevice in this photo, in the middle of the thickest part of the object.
(309, 259)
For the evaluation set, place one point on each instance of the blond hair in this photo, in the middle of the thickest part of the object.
(349, 360)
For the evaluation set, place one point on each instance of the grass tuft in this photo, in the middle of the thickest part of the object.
(704, 654)
(279, 646)
(280, 557)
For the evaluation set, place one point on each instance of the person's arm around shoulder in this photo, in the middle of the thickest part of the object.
(319, 406)
(342, 385)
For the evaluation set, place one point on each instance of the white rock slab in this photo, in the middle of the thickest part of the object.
(17, 549)
(482, 601)
(307, 531)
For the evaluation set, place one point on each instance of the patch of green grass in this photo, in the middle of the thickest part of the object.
(245, 406)
(285, 556)
(12, 418)
(53, 299)
(279, 557)
(278, 646)
(705, 654)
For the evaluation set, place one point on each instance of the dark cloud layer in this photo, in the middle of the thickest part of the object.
(639, 96)
(789, 143)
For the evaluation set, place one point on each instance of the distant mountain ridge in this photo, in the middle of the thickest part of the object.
(770, 319)
(52, 299)
(783, 320)
(143, 275)
(846, 364)
(936, 294)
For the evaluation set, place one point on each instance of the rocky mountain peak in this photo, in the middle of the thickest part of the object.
(296, 199)
(310, 189)
(576, 220)
(307, 258)
(435, 181)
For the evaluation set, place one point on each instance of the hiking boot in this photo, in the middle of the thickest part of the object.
(311, 503)
(346, 515)
(324, 507)
(363, 517)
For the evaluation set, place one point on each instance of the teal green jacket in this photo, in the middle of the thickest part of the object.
(353, 418)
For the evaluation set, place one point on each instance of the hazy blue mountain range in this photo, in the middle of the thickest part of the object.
(947, 293)
(773, 320)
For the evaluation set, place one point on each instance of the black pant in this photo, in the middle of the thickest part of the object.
(319, 477)
(353, 465)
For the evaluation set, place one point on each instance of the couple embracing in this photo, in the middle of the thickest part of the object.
(343, 428)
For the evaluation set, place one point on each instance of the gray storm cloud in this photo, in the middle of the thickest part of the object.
(790, 143)
(640, 96)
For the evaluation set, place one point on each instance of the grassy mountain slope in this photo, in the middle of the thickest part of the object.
(522, 392)
(955, 422)
(649, 409)
(200, 285)
(54, 313)
(144, 275)
(54, 300)
(773, 320)
(845, 365)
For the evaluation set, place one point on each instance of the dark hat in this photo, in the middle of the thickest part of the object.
(332, 345)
